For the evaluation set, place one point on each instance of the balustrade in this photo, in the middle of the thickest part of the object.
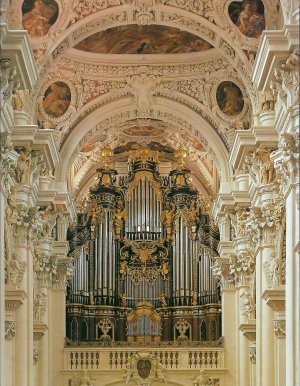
(107, 358)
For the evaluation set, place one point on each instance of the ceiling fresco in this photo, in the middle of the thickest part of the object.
(135, 145)
(143, 131)
(150, 39)
(91, 144)
(57, 99)
(39, 16)
(230, 98)
(248, 16)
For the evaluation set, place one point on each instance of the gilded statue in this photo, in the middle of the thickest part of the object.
(165, 270)
(23, 166)
(91, 297)
(123, 269)
(266, 165)
(123, 300)
(119, 217)
(167, 218)
(163, 301)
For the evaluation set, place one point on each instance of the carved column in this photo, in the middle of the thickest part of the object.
(286, 166)
(24, 318)
(267, 276)
(57, 300)
(230, 307)
(45, 266)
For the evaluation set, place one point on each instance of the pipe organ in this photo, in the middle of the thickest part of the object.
(143, 249)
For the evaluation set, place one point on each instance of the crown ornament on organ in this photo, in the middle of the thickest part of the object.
(106, 155)
(180, 156)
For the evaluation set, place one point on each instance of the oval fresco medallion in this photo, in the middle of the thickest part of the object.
(248, 16)
(148, 39)
(57, 99)
(39, 16)
(143, 131)
(230, 98)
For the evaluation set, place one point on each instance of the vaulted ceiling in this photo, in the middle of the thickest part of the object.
(166, 73)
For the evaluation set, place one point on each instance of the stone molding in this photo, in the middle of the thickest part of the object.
(14, 299)
(249, 329)
(275, 298)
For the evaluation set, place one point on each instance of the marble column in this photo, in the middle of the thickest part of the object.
(24, 320)
(244, 368)
(265, 321)
(2, 287)
(230, 305)
(292, 290)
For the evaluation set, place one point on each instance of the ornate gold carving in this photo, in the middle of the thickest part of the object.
(106, 155)
(182, 326)
(143, 369)
(180, 156)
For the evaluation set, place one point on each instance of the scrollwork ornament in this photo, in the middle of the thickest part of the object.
(280, 328)
(10, 329)
(252, 353)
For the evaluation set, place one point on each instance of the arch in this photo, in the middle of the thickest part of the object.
(203, 331)
(74, 329)
(213, 329)
(84, 330)
(169, 111)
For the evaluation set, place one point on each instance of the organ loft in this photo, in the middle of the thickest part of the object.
(145, 245)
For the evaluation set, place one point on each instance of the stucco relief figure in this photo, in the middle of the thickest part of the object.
(11, 217)
(57, 99)
(271, 268)
(248, 16)
(21, 100)
(266, 165)
(23, 166)
(39, 16)
(230, 98)
(49, 216)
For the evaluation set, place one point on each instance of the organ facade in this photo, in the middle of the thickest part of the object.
(144, 246)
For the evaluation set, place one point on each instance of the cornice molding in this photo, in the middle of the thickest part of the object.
(15, 45)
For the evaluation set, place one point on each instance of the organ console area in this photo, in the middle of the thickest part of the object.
(143, 249)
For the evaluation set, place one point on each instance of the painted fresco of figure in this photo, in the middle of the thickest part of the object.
(131, 39)
(39, 16)
(57, 99)
(248, 16)
(230, 98)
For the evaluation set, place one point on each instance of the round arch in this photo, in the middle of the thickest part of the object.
(168, 111)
